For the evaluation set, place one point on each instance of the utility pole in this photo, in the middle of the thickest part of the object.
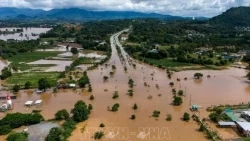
(190, 100)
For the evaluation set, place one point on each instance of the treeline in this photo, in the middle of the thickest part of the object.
(16, 120)
(80, 113)
(200, 33)
(8, 49)
(93, 33)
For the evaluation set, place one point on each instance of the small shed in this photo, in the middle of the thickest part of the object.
(28, 103)
(226, 124)
(38, 102)
(72, 85)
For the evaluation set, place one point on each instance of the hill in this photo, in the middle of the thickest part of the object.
(239, 16)
(75, 14)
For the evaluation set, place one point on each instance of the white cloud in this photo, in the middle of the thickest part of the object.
(174, 7)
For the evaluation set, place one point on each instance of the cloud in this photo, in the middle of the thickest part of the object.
(206, 8)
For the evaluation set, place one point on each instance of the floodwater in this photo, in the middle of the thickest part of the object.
(59, 64)
(27, 33)
(223, 87)
(37, 132)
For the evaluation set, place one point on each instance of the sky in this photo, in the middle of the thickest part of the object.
(205, 8)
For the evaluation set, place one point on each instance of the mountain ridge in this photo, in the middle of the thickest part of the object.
(236, 16)
(77, 14)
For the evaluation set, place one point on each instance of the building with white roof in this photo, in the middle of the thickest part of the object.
(244, 127)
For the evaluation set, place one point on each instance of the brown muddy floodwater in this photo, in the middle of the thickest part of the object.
(226, 86)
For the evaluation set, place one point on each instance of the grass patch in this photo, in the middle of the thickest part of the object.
(32, 56)
(48, 39)
(33, 77)
(25, 67)
(167, 62)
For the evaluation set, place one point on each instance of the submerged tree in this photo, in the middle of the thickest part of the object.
(177, 101)
(80, 111)
(198, 75)
(186, 116)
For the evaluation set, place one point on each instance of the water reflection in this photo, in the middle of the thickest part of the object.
(26, 34)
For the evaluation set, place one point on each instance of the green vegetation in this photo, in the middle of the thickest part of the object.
(177, 101)
(186, 43)
(74, 50)
(198, 75)
(33, 77)
(169, 117)
(180, 92)
(115, 95)
(218, 115)
(62, 115)
(27, 85)
(98, 135)
(6, 72)
(15, 120)
(84, 80)
(130, 92)
(91, 97)
(27, 57)
(186, 116)
(105, 78)
(131, 83)
(135, 107)
(43, 84)
(54, 134)
(102, 125)
(80, 111)
(115, 107)
(16, 88)
(237, 16)
(5, 129)
(171, 83)
(17, 136)
(132, 117)
(156, 113)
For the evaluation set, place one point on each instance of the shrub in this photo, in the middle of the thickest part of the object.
(156, 113)
(180, 92)
(115, 95)
(62, 114)
(171, 83)
(102, 125)
(5, 129)
(105, 78)
(98, 135)
(16, 88)
(115, 107)
(135, 107)
(17, 136)
(130, 92)
(132, 117)
(27, 85)
(54, 134)
(169, 117)
(91, 97)
(177, 101)
(90, 107)
(186, 116)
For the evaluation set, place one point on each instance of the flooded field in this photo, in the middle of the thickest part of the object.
(36, 132)
(25, 35)
(59, 64)
(223, 87)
